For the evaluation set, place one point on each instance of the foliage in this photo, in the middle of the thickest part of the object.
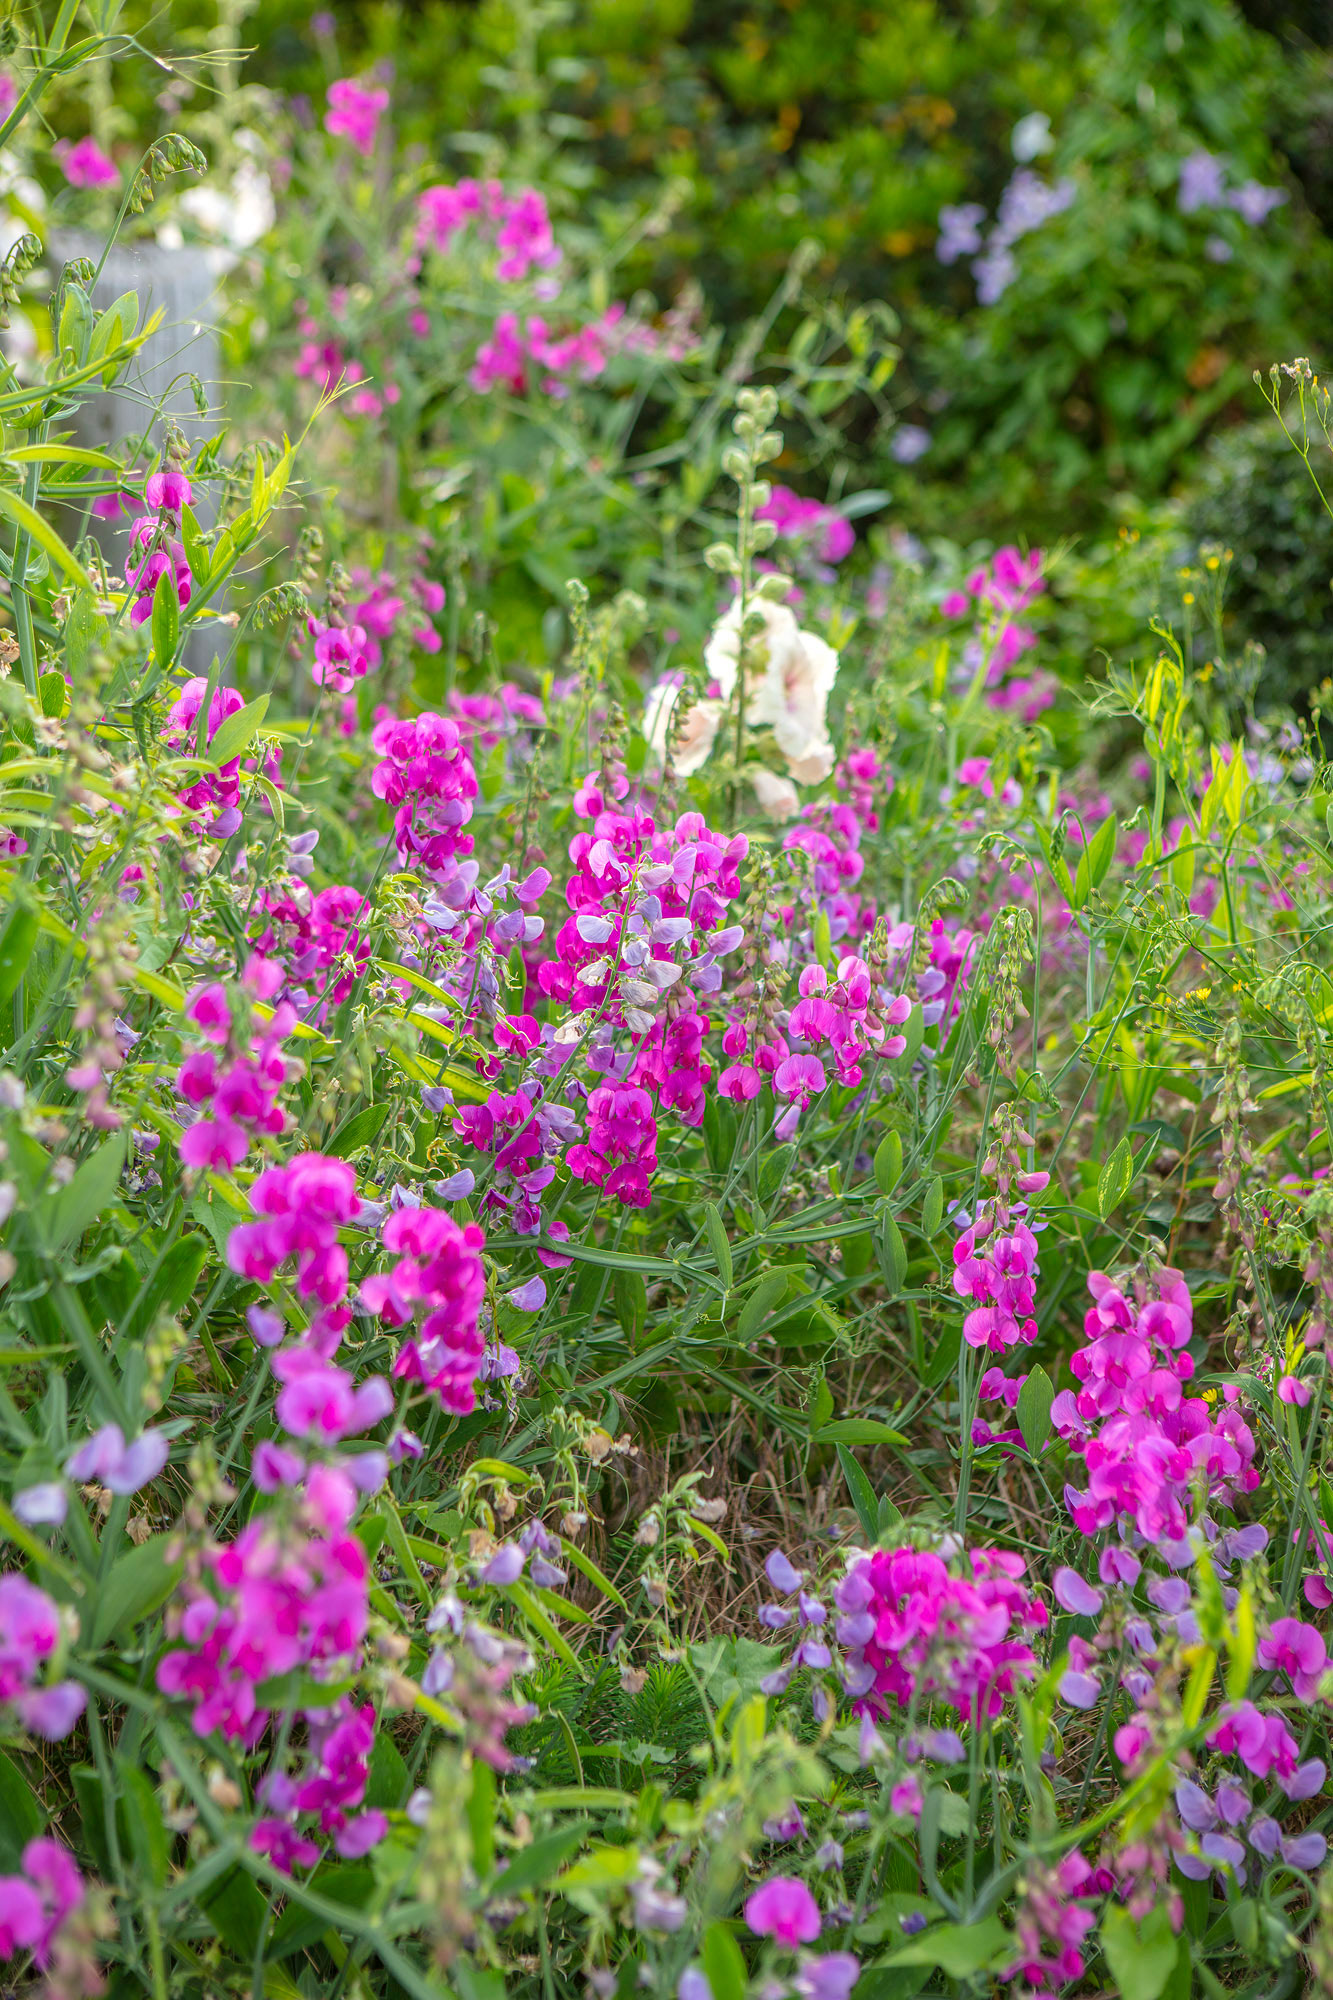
(665, 1258)
(1129, 327)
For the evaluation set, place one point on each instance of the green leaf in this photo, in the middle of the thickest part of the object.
(351, 1888)
(139, 1821)
(140, 1580)
(17, 940)
(914, 1033)
(945, 1358)
(862, 1492)
(767, 1294)
(357, 1131)
(30, 522)
(196, 550)
(235, 1909)
(1113, 1183)
(892, 1253)
(233, 733)
(166, 625)
(932, 1208)
(962, 1949)
(85, 628)
(1142, 1956)
(481, 1818)
(72, 1210)
(724, 1966)
(1034, 1409)
(888, 1162)
(541, 1859)
(169, 1285)
(1101, 850)
(717, 1240)
(21, 1818)
(53, 693)
(857, 1430)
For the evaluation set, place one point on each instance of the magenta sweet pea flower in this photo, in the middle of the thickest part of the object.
(784, 1910)
(353, 113)
(85, 165)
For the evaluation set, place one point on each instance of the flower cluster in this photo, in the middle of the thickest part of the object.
(283, 1597)
(35, 1906)
(426, 775)
(1026, 204)
(218, 792)
(232, 1085)
(331, 1787)
(519, 225)
(303, 1204)
(1144, 1442)
(31, 1639)
(438, 1274)
(910, 1626)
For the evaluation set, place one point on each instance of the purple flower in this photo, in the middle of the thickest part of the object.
(1075, 1595)
(1195, 1807)
(42, 1506)
(782, 1574)
(1201, 183)
(362, 1832)
(120, 1467)
(1079, 1690)
(1254, 202)
(960, 231)
(1304, 1850)
(51, 1712)
(830, 1977)
(787, 1826)
(531, 1297)
(908, 443)
(505, 1566)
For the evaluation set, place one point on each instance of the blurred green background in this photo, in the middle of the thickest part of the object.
(1104, 380)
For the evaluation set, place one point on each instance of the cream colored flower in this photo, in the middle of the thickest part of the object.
(777, 796)
(694, 743)
(789, 694)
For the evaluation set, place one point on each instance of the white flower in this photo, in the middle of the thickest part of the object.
(777, 796)
(791, 698)
(238, 218)
(694, 744)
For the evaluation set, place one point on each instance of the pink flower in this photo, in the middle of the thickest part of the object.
(34, 1905)
(169, 488)
(353, 113)
(29, 1635)
(799, 1078)
(1297, 1650)
(85, 165)
(439, 1275)
(784, 1910)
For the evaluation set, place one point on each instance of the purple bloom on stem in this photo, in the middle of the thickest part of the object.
(120, 1467)
(782, 1574)
(1075, 1595)
(505, 1566)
